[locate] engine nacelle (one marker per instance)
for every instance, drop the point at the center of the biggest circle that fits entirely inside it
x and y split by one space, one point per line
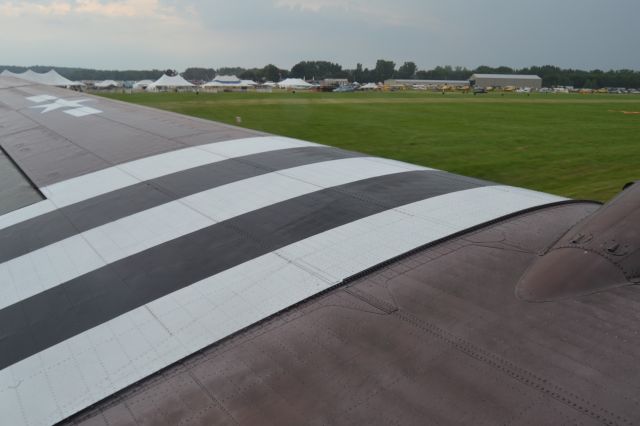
599 253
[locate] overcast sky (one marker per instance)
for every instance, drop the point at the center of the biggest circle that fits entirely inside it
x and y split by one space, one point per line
143 34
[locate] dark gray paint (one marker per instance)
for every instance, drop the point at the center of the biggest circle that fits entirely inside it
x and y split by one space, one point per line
46 157
435 338
54 226
15 189
55 315
599 253
53 146
12 122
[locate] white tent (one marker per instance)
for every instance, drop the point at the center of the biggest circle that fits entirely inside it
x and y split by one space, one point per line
7 73
106 84
270 84
51 78
294 83
169 82
142 84
214 84
231 81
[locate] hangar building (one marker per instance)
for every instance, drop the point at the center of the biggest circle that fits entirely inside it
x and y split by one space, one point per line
504 80
412 82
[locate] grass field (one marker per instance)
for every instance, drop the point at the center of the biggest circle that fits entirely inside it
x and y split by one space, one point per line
580 146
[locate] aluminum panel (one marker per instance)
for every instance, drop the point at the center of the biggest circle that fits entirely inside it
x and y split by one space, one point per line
84 215
26 213
58 313
117 177
37 271
16 191
357 246
195 316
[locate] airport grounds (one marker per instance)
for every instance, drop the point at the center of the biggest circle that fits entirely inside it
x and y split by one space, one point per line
583 146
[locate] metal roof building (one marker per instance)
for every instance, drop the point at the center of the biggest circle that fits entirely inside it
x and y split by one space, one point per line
414 82
504 80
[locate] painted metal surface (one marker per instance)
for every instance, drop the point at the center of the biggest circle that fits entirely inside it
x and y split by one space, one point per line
434 338
598 253
15 189
56 146
163 234
116 352
115 240
95 211
170 257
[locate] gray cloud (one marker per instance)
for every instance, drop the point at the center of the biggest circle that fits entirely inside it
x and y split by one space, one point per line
171 33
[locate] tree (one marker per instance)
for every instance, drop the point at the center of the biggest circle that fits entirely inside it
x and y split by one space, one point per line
551 75
199 74
483 69
171 73
407 70
384 70
358 74
272 73
318 70
231 71
299 70
251 74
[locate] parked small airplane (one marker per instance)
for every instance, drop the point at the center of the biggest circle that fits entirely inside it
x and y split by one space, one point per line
345 88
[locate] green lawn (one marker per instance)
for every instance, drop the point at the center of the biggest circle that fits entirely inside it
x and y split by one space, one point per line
580 146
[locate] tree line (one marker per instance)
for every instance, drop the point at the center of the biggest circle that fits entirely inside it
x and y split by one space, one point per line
79 74
383 70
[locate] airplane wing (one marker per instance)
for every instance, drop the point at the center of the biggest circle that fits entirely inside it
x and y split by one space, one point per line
162 269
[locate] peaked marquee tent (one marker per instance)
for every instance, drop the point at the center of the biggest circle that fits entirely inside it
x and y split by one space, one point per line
294 83
169 82
223 81
231 81
51 78
7 73
142 84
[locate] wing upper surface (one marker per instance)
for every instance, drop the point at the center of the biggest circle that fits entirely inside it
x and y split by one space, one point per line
161 234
